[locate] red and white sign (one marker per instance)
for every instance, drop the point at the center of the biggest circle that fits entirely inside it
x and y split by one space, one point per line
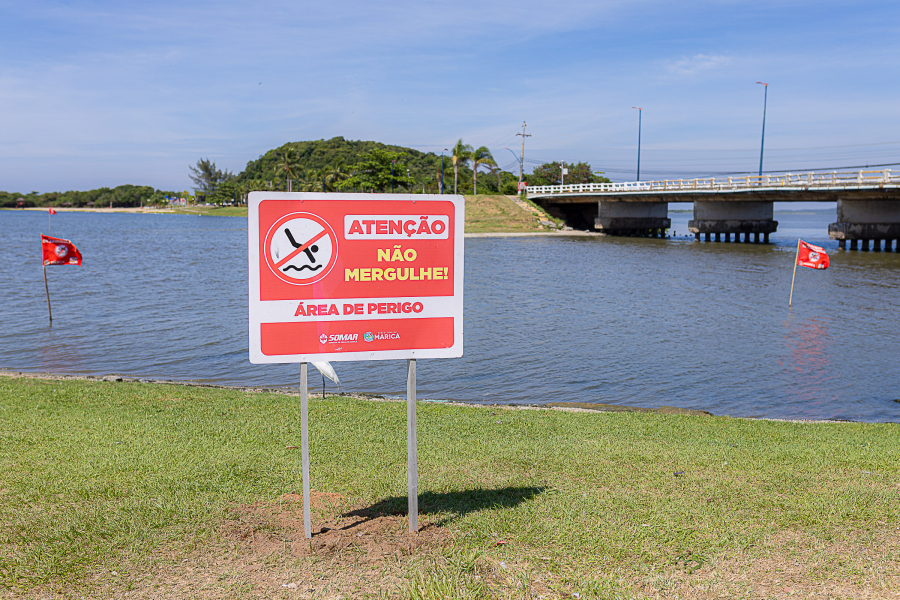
522 185
57 251
355 276
812 256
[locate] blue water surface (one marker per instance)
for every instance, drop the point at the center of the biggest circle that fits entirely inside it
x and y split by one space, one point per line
643 322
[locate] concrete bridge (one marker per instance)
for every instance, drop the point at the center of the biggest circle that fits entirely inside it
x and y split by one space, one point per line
868 205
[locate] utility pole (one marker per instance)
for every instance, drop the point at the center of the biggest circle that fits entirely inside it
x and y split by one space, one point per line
522 156
763 143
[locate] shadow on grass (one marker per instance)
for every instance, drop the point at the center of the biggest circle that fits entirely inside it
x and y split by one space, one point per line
456 503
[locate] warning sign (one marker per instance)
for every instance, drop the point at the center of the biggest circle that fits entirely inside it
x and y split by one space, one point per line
355 276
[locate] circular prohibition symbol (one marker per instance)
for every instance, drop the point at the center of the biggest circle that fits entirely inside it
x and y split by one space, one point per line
301 248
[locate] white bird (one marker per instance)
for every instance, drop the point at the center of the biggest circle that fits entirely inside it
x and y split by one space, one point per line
327 370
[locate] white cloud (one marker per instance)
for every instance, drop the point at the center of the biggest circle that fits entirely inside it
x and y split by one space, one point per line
698 64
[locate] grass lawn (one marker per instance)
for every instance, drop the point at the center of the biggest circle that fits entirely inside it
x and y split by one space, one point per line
210 211
166 491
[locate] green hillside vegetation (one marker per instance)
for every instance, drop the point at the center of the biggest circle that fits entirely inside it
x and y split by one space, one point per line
323 166
316 158
123 196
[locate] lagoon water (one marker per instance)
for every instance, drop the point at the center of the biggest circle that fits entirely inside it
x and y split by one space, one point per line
642 322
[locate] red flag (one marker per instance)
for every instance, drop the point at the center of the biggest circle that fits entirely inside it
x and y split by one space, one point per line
52 210
811 256
59 252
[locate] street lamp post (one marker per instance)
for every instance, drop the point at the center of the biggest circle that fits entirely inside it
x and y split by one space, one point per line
763 143
517 160
442 170
640 111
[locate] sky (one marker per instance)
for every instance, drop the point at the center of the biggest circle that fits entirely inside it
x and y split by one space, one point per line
105 93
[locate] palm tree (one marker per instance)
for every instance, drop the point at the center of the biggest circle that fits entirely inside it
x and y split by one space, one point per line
461 154
335 173
481 155
287 165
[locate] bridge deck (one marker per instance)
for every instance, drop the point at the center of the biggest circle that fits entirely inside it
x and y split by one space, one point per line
788 187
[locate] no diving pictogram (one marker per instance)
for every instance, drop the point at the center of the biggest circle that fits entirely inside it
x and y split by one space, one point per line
301 248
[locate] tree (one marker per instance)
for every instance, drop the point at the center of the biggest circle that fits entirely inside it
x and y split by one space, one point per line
495 170
315 181
207 176
376 172
334 175
287 166
226 193
461 153
479 156
551 174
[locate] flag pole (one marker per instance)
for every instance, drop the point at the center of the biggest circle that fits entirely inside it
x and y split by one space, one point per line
796 258
47 289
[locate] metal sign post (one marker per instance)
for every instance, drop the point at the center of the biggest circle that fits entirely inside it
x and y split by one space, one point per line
412 473
304 443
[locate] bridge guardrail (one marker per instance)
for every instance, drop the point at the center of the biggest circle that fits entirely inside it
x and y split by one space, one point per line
786 180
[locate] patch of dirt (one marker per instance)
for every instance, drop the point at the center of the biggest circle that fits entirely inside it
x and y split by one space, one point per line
262 553
264 528
790 565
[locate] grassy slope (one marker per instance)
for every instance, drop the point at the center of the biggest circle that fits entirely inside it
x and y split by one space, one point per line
483 214
497 213
93 474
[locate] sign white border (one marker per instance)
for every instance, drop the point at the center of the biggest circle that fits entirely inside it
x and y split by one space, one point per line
452 305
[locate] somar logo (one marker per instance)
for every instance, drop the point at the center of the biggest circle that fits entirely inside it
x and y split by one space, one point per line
339 338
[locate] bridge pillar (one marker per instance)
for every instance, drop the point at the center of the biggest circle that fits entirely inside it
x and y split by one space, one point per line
641 219
866 220
733 217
